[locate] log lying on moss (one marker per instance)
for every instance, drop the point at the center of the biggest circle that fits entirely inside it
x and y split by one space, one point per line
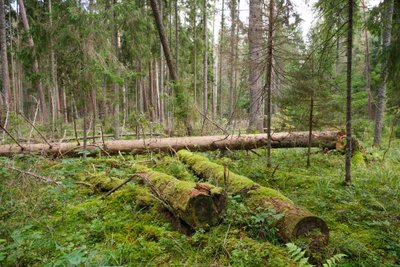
200 205
296 222
325 139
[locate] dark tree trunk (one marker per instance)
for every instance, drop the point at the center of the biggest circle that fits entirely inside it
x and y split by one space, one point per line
205 59
268 85
348 91
4 59
310 129
164 41
221 60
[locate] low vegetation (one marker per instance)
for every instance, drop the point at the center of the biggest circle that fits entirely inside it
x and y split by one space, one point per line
47 225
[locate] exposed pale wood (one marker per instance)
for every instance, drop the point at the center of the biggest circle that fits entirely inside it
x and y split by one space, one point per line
325 139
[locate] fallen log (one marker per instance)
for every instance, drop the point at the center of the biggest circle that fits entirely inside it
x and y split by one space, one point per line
296 222
324 139
90 137
200 205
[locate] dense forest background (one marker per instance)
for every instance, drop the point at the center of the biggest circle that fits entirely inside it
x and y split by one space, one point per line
100 65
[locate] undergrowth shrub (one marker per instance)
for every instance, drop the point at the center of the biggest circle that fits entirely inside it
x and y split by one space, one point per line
257 224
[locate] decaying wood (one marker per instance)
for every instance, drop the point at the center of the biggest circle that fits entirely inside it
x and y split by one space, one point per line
296 222
200 205
324 139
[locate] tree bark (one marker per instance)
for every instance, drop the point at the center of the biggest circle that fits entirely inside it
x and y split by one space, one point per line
325 139
56 108
195 52
221 38
381 95
233 4
296 221
255 54
214 81
268 85
162 100
205 60
310 128
35 64
348 91
8 99
176 36
164 42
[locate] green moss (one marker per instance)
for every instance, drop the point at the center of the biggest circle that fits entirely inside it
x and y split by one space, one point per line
46 225
235 182
358 159
175 168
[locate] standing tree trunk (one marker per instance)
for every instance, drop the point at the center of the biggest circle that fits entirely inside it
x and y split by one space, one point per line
220 58
195 52
205 63
35 65
255 53
214 81
56 98
162 100
268 85
310 128
177 36
367 63
232 58
115 84
381 96
348 91
164 42
4 60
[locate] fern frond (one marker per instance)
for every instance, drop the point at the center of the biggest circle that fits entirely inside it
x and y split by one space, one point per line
297 255
334 260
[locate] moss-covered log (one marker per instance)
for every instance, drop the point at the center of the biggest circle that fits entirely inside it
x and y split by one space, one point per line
325 139
296 222
200 205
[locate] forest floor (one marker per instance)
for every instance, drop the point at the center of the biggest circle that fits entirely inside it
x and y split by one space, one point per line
46 225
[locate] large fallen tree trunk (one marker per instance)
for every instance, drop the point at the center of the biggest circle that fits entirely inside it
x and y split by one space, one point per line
325 139
200 205
296 222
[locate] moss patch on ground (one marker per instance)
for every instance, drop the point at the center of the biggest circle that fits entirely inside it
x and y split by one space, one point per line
44 225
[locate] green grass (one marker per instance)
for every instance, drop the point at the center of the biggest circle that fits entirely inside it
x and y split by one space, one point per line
44 225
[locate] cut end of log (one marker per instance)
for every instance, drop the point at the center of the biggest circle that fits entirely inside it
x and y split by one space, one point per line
206 209
200 205
314 226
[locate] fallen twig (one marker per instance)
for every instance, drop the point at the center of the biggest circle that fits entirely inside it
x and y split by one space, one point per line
39 177
119 186
12 137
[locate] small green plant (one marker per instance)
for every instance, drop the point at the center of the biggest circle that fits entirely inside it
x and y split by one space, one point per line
258 224
297 255
334 260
